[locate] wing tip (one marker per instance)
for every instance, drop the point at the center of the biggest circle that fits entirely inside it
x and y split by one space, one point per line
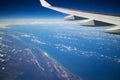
44 3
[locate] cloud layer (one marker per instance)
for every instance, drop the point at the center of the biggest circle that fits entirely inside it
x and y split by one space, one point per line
8 22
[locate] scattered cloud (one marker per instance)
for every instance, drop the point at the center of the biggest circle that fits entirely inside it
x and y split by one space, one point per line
65 48
1 55
26 35
15 37
38 41
99 56
88 54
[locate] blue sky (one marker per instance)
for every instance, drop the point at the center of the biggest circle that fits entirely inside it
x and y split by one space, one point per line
33 9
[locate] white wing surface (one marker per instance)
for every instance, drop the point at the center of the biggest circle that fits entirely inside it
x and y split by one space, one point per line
90 16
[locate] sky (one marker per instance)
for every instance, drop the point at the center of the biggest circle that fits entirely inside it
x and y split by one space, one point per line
33 9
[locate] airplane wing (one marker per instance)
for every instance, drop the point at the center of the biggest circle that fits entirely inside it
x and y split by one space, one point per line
91 17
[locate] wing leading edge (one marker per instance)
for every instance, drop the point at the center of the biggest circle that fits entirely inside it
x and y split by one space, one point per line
91 16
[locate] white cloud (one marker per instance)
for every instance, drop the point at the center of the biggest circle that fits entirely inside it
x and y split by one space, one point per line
3 68
15 36
1 55
26 35
45 54
2 60
63 47
38 41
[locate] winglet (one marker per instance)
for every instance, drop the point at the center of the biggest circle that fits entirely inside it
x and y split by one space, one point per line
44 3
